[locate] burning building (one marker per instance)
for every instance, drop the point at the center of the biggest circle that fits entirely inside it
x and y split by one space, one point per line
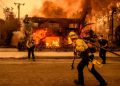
52 32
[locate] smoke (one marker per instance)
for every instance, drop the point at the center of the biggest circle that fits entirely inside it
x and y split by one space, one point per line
71 6
85 8
66 8
18 36
50 9
59 8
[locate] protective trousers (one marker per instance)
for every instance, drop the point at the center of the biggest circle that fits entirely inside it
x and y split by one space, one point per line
31 49
80 68
102 54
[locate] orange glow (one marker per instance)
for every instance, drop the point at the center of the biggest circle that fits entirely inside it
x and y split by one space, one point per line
39 34
80 26
52 41
82 33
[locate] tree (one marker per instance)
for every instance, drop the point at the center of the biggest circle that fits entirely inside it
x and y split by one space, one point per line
11 24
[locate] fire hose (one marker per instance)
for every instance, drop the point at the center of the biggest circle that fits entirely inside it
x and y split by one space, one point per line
72 67
103 48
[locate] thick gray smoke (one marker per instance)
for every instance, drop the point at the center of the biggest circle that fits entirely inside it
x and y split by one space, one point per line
68 8
50 9
60 8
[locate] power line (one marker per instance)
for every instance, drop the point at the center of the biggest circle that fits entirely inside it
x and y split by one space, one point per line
3 3
19 9
1 6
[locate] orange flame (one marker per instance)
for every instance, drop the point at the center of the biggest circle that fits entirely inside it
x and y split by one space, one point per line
52 41
39 34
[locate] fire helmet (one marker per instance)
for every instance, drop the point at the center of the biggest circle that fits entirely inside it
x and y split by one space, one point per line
73 35
80 45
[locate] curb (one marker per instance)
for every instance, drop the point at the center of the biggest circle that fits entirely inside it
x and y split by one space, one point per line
48 55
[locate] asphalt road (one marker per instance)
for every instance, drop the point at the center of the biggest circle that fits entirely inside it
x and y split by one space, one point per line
54 72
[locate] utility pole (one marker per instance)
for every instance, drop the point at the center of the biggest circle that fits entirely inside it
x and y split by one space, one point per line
19 9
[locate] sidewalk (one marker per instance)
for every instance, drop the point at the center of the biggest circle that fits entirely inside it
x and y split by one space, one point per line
64 55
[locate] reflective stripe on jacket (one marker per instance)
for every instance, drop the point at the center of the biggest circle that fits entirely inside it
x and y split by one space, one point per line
80 45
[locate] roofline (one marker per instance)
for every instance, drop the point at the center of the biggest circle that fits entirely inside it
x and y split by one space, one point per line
70 20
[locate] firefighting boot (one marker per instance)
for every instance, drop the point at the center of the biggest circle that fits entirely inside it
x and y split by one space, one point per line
103 84
79 82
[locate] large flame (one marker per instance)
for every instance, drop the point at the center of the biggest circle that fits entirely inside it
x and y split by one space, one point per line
52 41
38 35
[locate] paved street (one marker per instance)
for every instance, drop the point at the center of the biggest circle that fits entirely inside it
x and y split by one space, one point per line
54 72
14 53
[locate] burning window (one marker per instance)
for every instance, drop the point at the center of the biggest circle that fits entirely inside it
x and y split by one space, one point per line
39 34
52 42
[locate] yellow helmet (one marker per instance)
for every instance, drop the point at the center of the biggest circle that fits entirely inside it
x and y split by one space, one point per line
73 35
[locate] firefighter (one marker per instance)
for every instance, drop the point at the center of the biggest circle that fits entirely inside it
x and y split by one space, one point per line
83 50
104 44
30 47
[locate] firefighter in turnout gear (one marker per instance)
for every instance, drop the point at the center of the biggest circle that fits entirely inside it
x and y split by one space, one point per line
30 47
83 50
